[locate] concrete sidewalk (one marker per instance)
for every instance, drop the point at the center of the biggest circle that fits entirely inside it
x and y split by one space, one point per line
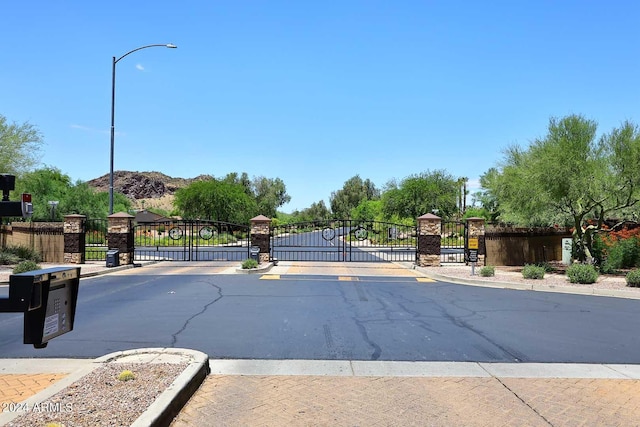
348 393
342 393
318 393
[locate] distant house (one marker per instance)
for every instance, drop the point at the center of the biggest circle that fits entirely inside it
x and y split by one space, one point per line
145 217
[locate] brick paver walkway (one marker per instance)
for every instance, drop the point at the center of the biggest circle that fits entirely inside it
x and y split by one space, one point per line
406 401
15 388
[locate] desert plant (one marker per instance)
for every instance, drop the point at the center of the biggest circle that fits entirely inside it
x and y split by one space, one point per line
633 278
582 273
126 375
607 268
249 263
531 271
488 271
8 258
24 253
624 254
24 266
548 268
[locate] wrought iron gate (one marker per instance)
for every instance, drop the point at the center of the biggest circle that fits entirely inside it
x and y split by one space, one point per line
344 240
191 241
95 239
453 242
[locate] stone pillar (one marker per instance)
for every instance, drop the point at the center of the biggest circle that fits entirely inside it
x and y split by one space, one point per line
475 229
261 236
120 236
74 239
429 239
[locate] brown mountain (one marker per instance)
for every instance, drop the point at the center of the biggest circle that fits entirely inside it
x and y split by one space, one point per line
145 189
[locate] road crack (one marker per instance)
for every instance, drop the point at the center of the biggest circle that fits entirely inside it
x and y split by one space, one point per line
174 337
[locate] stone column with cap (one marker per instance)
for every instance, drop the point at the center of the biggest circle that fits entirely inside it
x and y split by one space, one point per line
475 230
74 239
429 241
261 236
120 236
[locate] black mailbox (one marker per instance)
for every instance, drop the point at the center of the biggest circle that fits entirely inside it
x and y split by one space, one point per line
48 299
254 252
113 258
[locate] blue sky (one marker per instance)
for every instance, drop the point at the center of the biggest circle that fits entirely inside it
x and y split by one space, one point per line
312 92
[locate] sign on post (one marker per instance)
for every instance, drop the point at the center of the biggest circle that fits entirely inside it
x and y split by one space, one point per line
472 245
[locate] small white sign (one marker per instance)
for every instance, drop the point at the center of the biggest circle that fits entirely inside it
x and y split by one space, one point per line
50 325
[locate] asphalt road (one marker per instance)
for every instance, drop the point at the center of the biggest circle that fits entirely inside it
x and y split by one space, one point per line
322 317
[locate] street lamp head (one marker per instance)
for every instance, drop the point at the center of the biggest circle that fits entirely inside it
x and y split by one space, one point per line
171 46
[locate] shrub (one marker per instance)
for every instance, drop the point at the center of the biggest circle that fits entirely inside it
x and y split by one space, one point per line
24 253
8 258
249 263
624 254
531 271
24 266
607 268
633 278
582 273
488 271
548 268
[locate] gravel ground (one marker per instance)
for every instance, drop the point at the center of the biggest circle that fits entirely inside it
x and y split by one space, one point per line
514 275
100 399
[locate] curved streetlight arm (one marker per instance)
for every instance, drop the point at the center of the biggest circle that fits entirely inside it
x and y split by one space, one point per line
113 111
169 45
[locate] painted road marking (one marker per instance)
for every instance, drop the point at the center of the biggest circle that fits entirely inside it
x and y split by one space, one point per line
270 277
424 279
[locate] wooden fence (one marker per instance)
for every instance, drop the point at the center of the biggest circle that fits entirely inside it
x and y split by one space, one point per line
520 246
47 238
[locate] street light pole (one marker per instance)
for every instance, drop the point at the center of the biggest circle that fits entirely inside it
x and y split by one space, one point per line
113 111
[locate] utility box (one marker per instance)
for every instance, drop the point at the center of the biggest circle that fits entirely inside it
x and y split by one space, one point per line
48 298
254 253
113 258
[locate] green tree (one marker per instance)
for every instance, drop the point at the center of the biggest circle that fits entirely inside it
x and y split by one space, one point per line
85 200
215 199
367 210
50 184
353 192
20 146
570 176
486 198
269 194
416 195
45 185
242 179
316 211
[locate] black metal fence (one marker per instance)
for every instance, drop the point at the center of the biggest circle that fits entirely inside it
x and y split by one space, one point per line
96 239
344 240
452 244
195 240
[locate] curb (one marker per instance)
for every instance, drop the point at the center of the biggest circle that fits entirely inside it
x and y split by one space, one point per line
612 293
262 268
165 407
